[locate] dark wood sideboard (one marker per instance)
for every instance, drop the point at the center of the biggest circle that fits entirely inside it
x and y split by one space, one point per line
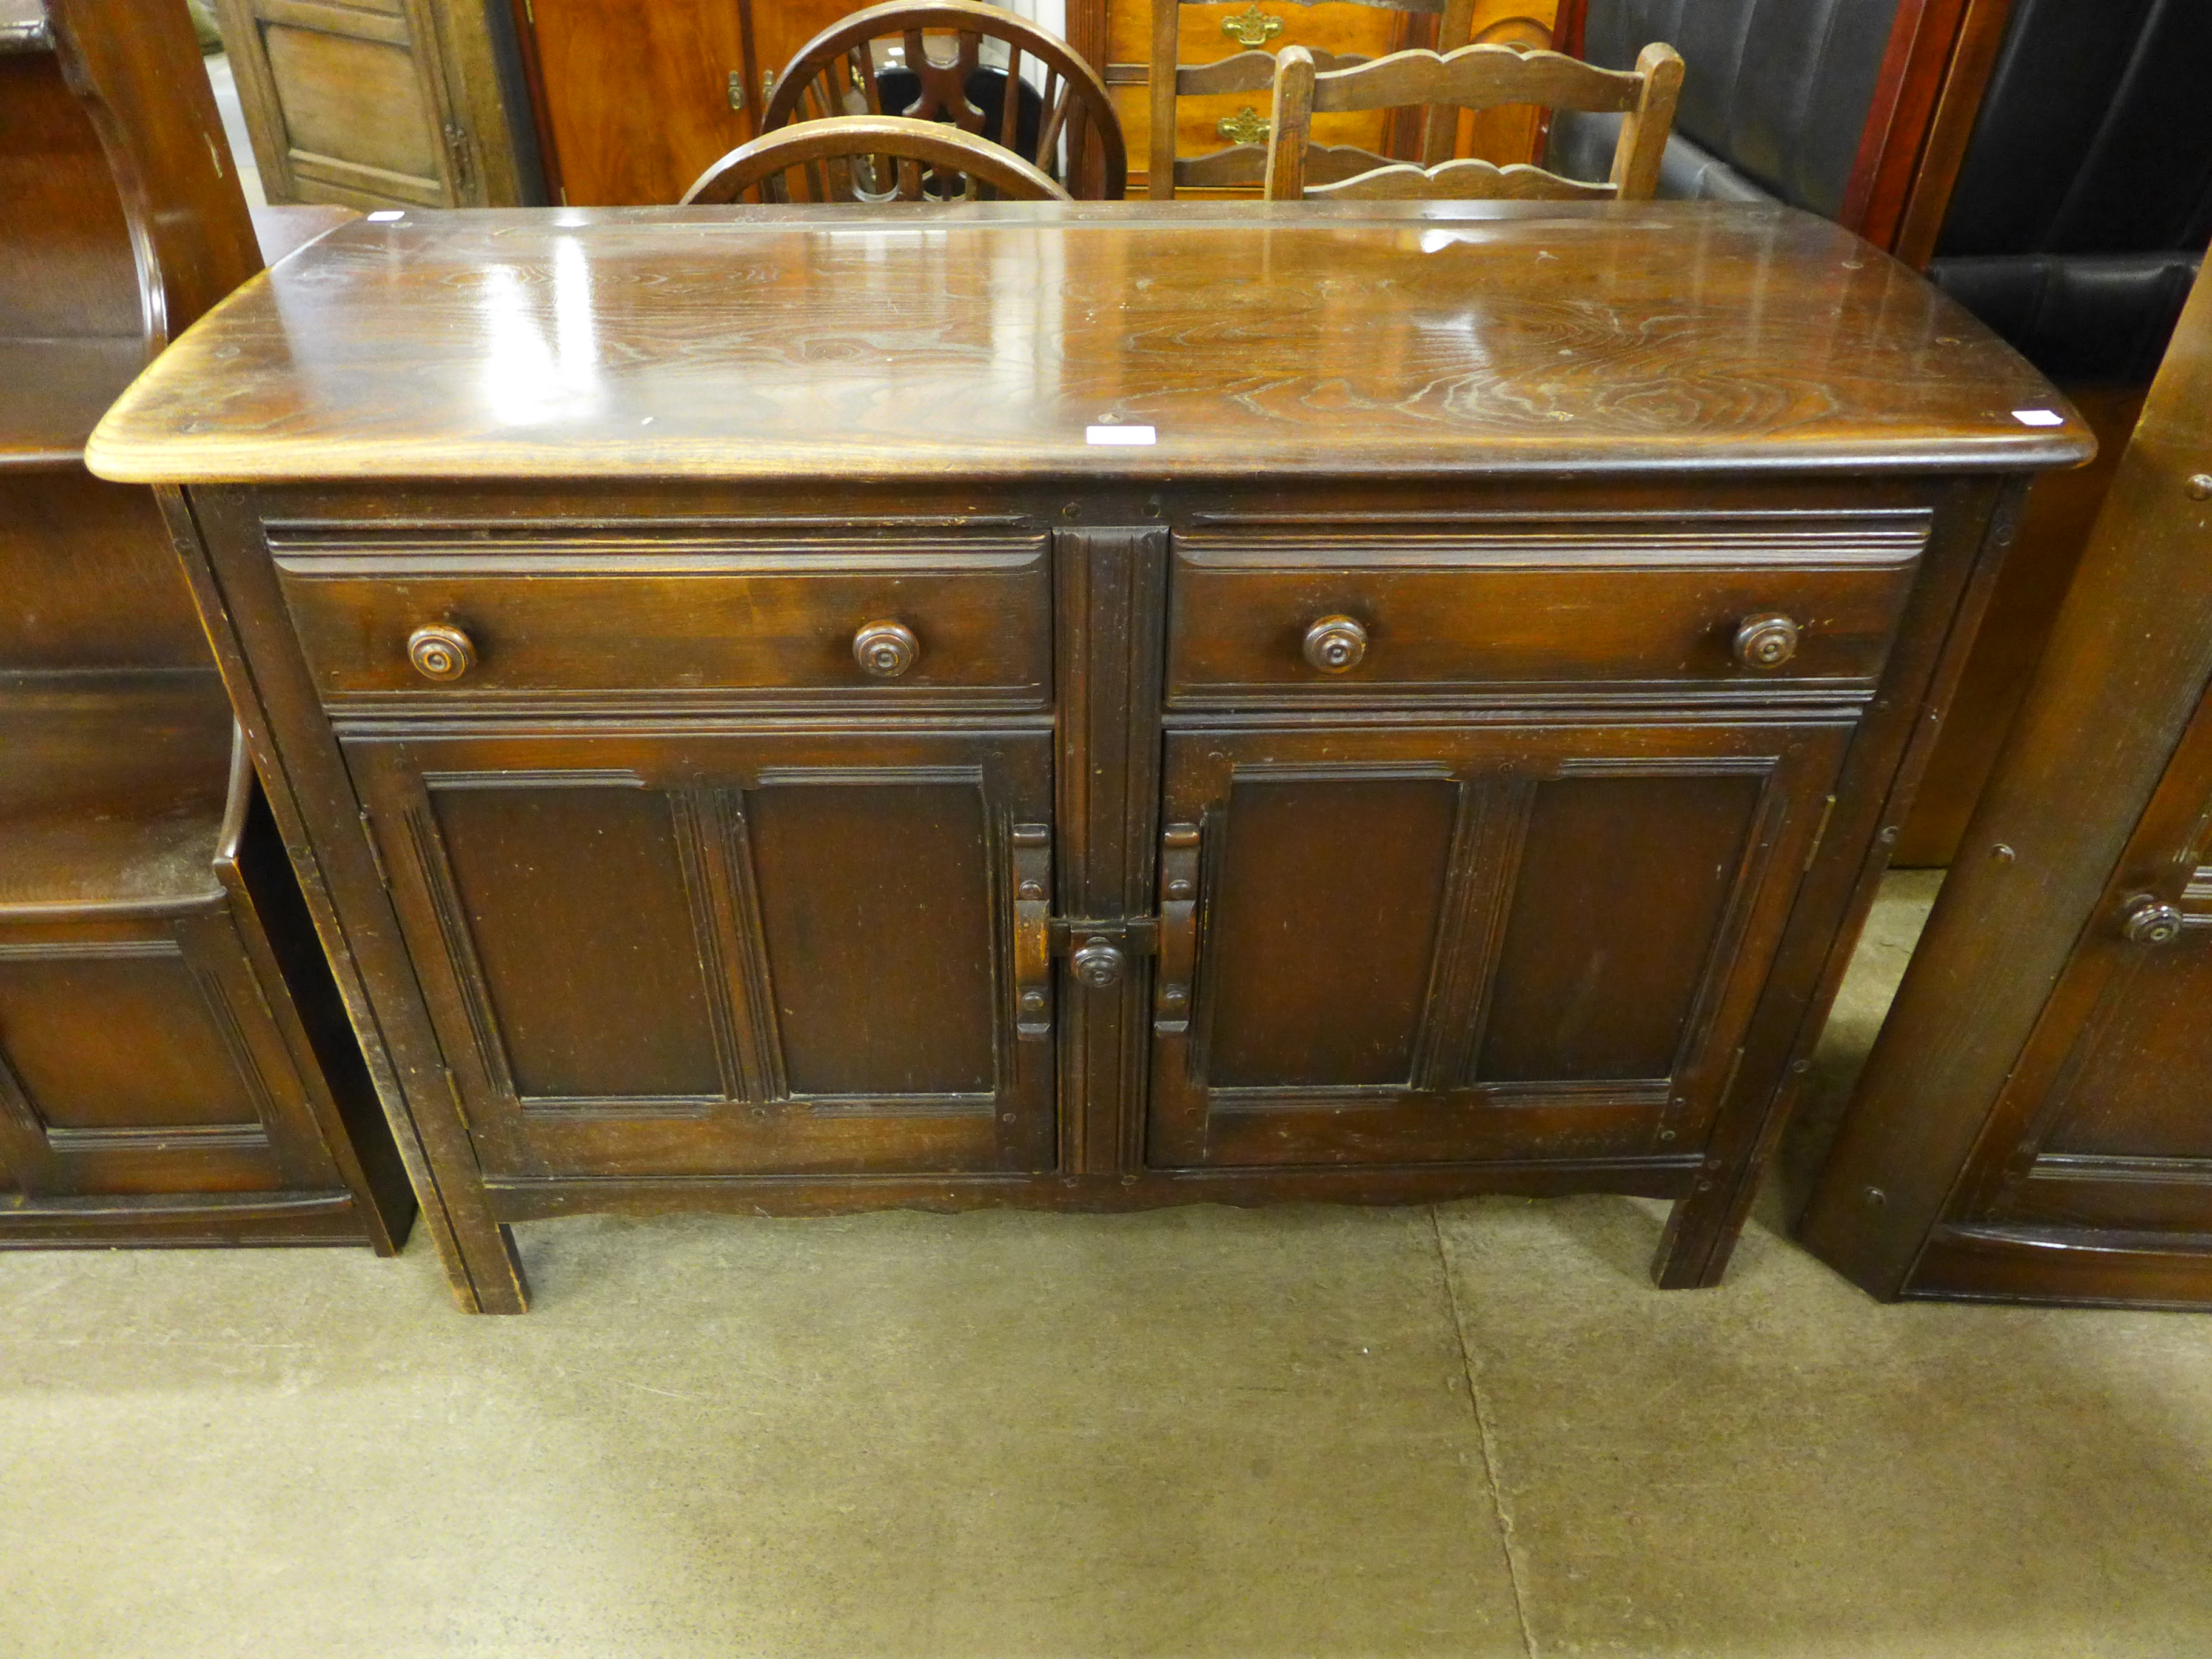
758 733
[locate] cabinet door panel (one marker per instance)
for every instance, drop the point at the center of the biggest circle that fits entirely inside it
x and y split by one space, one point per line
138 1055
1462 944
721 955
575 902
877 907
1327 989
1623 885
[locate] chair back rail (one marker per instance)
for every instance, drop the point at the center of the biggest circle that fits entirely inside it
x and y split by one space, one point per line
871 158
1472 77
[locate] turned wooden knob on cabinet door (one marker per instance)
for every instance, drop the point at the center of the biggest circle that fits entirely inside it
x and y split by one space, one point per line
1097 964
2151 921
1766 641
885 649
1334 644
441 652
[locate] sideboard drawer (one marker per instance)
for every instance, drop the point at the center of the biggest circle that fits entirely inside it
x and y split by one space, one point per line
1296 609
873 623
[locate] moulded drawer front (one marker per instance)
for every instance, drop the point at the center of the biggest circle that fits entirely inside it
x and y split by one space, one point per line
974 621
1540 603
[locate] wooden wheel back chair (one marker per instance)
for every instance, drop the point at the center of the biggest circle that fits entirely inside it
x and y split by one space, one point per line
1473 77
872 158
1066 128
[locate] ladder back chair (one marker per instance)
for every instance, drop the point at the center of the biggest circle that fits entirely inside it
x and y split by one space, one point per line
1242 164
872 158
1473 77
1066 128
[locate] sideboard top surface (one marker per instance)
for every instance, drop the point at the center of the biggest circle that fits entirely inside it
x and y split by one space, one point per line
988 341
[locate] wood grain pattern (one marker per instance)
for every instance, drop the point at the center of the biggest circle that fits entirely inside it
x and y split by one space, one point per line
1485 339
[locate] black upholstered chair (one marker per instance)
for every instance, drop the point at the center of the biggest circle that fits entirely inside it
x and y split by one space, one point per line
2085 201
1773 104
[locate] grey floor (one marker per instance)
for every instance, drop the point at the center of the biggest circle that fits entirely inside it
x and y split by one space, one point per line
1471 1429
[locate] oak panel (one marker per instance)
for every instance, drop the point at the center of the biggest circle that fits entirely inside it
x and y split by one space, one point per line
352 100
637 97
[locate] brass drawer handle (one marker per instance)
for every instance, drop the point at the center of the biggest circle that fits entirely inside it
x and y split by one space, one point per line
885 650
1247 126
439 653
1335 644
1766 641
1252 26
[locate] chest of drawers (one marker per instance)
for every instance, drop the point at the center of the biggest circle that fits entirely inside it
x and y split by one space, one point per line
759 733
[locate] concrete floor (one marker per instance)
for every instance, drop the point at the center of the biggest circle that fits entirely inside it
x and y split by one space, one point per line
1300 1432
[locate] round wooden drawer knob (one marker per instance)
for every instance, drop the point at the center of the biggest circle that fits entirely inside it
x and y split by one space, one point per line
439 653
1766 641
2147 921
1334 644
885 650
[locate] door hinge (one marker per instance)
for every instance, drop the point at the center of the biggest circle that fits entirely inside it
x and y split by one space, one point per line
376 851
736 89
457 150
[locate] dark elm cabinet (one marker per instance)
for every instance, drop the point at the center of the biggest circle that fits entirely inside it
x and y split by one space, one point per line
759 733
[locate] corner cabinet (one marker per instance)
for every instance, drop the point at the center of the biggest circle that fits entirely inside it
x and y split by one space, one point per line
949 812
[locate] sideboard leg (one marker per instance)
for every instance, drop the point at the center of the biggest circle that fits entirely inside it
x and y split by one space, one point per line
485 1272
1700 1236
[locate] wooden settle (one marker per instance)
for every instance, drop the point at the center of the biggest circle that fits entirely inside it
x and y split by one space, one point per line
175 1068
1089 704
2030 1125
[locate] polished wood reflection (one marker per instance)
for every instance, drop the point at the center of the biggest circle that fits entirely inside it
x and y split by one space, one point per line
1481 338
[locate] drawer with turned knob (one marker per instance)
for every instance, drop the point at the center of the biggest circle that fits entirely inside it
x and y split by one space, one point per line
967 620
1734 605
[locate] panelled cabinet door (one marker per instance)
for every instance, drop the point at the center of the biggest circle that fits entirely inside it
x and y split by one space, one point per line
1416 945
2106 1119
139 1056
351 104
712 955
